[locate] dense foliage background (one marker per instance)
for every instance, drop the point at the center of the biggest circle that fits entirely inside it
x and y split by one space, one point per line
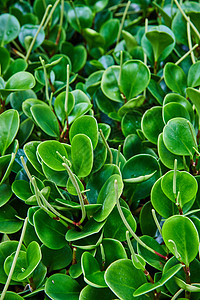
99 149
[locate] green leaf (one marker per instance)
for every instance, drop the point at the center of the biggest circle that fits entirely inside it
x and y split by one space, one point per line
85 125
186 185
4 59
107 197
9 124
9 28
84 15
131 121
175 78
62 287
123 278
115 228
30 150
140 75
8 221
91 227
5 193
161 203
96 5
148 287
152 123
27 33
109 30
166 157
59 106
47 151
161 38
194 96
178 137
91 270
46 120
82 155
173 110
109 83
179 233
193 78
50 232
20 81
12 296
91 293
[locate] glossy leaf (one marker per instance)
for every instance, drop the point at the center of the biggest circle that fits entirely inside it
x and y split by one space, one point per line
20 81
82 155
178 137
61 286
107 197
179 233
10 28
46 120
47 151
8 221
175 78
9 124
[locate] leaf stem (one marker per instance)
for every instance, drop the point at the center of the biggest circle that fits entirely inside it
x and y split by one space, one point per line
75 184
106 144
51 13
14 260
156 221
177 294
36 35
187 19
45 78
190 41
174 177
77 19
122 22
67 92
129 228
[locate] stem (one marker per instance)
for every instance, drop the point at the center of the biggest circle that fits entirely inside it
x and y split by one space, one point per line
193 136
187 19
103 256
122 22
145 55
26 169
14 260
67 93
121 63
36 35
156 221
77 19
174 177
50 14
75 183
118 154
106 144
45 78
61 22
128 226
190 42
177 294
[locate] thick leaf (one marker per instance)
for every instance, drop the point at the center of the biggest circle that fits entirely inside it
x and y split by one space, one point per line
91 293
27 33
47 151
193 79
123 278
194 96
109 30
5 193
91 227
59 105
167 157
62 287
91 270
109 83
9 124
175 78
20 81
82 155
161 38
179 233
178 137
96 5
148 287
8 221
186 186
50 232
152 123
107 197
30 151
46 120
140 77
174 110
9 28
85 125
84 15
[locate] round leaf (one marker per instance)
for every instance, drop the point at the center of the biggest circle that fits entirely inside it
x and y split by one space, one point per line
175 78
179 233
20 81
9 28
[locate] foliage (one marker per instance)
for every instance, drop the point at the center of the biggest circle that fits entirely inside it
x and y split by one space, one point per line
99 149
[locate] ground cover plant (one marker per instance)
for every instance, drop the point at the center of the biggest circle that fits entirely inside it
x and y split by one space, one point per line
99 149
